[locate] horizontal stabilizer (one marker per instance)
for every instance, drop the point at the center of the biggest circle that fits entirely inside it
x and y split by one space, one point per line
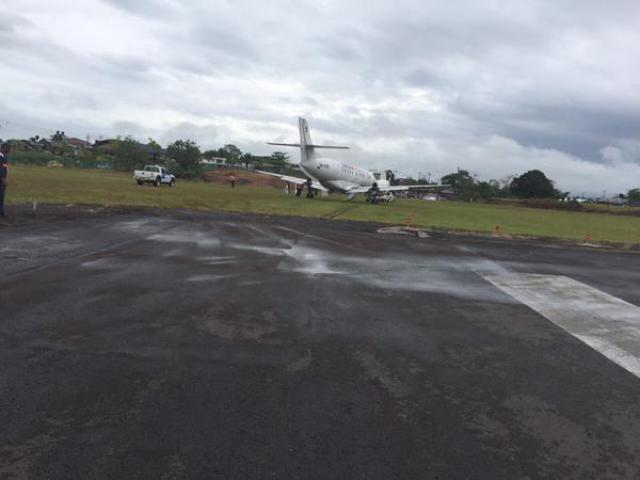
284 144
328 146
307 146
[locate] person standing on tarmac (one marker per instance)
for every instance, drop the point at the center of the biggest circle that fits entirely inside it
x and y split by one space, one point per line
4 151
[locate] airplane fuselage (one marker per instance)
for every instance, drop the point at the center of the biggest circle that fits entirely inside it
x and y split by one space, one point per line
327 173
338 176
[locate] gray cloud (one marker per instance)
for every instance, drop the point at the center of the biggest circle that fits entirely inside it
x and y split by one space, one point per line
418 85
146 8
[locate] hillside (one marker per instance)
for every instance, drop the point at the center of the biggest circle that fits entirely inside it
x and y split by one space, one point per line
244 178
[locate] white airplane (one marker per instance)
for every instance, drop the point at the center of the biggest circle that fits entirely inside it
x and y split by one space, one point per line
327 174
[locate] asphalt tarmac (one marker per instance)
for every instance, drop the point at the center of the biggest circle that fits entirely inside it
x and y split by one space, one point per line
179 345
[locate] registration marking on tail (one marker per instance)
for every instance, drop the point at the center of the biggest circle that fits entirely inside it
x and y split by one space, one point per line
606 323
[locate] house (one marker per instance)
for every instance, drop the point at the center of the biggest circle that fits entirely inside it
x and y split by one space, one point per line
214 161
77 142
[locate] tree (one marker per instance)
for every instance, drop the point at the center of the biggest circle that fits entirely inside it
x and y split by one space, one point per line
232 153
186 154
407 181
247 159
155 150
490 189
210 154
468 187
533 184
462 183
129 155
459 180
58 136
634 195
279 159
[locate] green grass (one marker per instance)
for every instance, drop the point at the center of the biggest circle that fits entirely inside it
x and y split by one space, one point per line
62 185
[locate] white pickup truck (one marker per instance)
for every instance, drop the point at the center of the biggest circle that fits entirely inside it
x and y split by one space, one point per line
154 174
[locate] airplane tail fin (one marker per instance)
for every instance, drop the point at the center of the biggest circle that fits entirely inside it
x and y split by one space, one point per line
306 145
305 137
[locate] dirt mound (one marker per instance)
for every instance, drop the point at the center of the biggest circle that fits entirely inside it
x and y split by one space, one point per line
243 178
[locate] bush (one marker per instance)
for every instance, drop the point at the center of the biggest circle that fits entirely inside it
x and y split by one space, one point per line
22 157
550 204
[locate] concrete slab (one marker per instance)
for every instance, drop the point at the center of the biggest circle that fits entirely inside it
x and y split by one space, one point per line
605 323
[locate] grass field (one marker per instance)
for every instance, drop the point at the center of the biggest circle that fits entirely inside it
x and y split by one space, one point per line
58 185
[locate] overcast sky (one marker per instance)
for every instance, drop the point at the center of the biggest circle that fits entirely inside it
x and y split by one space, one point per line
495 87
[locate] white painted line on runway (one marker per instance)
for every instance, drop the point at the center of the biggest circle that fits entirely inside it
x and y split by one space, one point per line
604 322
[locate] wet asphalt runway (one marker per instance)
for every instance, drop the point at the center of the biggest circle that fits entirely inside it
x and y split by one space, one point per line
170 346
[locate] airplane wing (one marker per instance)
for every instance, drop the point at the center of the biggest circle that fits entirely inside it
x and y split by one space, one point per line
296 180
397 188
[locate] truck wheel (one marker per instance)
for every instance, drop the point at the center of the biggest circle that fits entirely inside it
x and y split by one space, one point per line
139 183
158 182
173 183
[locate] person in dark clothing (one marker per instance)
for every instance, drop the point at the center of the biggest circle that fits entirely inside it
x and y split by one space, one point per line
299 189
309 188
372 193
4 170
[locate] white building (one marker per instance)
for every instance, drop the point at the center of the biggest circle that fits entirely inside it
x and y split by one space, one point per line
218 161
